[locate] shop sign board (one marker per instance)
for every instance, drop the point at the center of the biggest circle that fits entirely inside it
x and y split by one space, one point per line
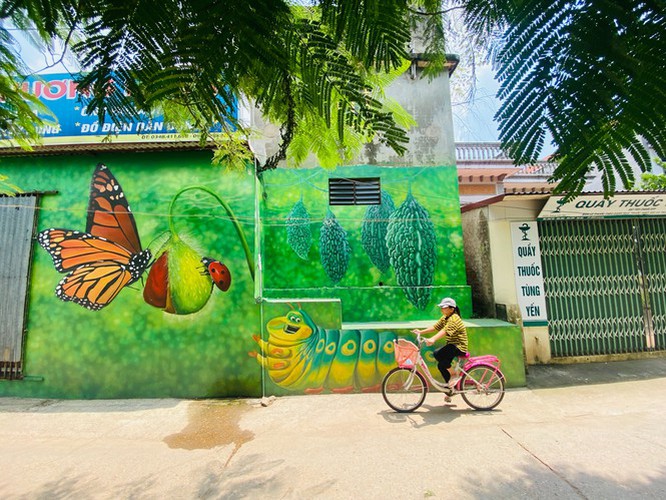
596 206
528 273
71 124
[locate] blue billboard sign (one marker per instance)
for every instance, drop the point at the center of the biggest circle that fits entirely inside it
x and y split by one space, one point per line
73 125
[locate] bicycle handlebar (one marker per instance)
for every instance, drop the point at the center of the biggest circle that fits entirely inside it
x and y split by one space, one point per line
419 338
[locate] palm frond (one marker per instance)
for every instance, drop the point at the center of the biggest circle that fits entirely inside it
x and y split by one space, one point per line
591 74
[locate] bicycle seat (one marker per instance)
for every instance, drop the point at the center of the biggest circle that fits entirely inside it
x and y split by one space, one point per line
464 356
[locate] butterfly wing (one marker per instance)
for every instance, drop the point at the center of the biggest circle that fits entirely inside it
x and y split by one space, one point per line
94 285
71 249
109 214
99 268
105 258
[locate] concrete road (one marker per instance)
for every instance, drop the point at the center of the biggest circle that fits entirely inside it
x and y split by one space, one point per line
592 441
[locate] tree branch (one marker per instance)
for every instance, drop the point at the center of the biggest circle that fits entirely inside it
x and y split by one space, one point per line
286 133
437 13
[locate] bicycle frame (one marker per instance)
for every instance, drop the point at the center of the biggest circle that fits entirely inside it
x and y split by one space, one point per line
469 363
481 382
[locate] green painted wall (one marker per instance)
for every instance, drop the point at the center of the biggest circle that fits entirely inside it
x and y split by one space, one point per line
504 340
196 343
295 265
130 348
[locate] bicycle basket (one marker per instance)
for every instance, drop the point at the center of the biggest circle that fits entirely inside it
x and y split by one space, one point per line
406 353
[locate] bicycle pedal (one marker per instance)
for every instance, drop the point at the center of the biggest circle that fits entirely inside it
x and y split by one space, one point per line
447 399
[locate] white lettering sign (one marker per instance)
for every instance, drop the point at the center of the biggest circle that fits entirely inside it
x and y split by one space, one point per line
528 272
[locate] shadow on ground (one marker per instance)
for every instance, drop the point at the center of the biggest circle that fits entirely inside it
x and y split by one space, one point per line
560 375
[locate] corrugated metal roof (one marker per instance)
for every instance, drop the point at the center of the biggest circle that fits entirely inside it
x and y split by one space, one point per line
485 175
17 220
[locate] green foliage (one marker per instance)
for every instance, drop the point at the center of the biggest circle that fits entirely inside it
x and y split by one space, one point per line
299 232
412 249
19 111
334 248
587 73
652 182
292 61
231 151
373 232
8 189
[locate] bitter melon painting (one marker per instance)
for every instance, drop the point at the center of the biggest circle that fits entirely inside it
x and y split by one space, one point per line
388 260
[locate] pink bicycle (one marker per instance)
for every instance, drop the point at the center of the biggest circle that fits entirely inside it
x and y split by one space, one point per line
480 383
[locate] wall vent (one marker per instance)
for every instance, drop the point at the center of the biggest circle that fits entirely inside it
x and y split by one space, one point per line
356 191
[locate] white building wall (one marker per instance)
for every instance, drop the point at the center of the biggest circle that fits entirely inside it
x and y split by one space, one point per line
501 215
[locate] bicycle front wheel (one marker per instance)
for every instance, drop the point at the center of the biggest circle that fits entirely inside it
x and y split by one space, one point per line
483 387
404 390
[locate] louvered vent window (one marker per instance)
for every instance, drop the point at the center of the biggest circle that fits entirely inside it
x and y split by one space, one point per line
358 191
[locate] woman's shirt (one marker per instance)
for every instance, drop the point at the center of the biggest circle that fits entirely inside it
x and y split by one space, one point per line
456 333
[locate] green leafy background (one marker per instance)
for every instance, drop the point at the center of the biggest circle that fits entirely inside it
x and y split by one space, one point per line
130 349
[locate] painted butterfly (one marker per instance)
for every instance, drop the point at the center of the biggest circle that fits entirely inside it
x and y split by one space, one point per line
106 257
218 272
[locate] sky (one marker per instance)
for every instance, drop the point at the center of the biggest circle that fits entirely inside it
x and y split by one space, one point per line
474 121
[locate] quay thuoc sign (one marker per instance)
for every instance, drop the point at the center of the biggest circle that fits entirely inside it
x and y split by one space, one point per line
74 126
528 273
596 206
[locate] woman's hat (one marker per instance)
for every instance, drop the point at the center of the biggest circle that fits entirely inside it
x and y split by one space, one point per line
447 302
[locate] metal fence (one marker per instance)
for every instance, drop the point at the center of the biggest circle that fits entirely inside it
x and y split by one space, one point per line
17 221
605 285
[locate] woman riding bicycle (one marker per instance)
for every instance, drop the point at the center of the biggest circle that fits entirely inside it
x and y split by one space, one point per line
451 326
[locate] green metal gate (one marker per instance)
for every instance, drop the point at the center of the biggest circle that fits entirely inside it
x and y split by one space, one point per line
605 285
652 247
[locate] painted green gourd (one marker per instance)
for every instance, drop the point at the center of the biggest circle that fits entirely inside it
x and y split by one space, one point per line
373 232
299 233
412 247
334 248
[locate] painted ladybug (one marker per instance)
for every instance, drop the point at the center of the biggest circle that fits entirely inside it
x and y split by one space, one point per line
218 272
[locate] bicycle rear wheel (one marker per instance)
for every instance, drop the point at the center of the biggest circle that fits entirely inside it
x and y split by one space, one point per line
404 390
483 387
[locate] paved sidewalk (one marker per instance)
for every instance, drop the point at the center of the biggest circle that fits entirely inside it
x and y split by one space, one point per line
591 441
559 375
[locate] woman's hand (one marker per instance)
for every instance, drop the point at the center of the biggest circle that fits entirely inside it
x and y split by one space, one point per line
429 341
416 331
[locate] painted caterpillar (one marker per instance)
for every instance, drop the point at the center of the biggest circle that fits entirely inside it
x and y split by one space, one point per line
299 356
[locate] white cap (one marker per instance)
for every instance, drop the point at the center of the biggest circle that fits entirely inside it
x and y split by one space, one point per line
447 302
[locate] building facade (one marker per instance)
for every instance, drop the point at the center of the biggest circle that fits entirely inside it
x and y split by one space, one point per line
142 270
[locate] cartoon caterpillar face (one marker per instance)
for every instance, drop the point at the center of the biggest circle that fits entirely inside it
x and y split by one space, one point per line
300 356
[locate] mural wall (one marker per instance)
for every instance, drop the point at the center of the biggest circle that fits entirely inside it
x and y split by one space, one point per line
156 300
386 262
143 281
304 350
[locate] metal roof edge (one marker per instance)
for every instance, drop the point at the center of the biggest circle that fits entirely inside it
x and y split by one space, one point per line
483 203
92 148
27 193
